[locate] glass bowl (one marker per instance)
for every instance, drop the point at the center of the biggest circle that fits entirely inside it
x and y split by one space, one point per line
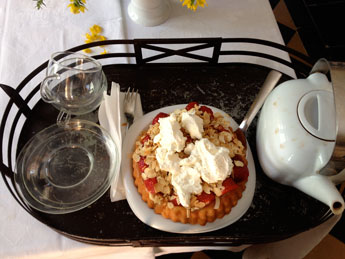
65 168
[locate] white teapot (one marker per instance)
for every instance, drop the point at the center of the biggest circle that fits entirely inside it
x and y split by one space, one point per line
300 134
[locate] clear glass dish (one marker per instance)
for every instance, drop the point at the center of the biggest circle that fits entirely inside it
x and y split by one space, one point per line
65 168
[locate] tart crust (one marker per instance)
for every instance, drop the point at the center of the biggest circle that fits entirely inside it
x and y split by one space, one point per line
179 213
162 204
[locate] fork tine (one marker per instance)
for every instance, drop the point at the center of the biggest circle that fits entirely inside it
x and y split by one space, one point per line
127 94
133 93
129 105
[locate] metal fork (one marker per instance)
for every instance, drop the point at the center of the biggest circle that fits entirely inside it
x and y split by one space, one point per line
129 103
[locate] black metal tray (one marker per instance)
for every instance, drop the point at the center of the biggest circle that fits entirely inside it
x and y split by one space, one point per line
277 211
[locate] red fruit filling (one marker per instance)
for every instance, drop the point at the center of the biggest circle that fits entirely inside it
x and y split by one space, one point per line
143 140
206 198
191 105
229 185
142 165
158 116
208 110
150 184
240 173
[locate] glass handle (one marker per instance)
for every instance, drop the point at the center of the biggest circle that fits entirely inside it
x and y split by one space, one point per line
63 118
45 93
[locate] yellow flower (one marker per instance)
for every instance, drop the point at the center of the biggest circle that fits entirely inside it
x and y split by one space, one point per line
104 52
193 4
77 6
95 29
95 36
91 38
87 50
101 37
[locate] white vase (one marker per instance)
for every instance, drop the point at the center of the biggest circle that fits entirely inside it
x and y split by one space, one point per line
149 12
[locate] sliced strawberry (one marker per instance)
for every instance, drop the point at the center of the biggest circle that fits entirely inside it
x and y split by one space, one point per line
229 185
150 184
158 116
146 138
241 137
208 110
221 128
206 198
191 105
174 201
240 173
142 165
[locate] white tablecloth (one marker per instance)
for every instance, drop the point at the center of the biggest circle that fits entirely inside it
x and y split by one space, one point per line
27 39
222 18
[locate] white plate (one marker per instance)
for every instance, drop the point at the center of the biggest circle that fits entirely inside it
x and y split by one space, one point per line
147 215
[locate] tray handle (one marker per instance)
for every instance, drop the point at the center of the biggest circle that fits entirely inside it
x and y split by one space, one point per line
23 108
17 99
7 171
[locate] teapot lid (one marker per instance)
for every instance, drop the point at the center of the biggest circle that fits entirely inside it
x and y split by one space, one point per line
316 113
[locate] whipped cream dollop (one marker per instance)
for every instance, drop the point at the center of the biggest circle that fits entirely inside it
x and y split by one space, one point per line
213 163
186 181
192 123
206 161
168 160
170 135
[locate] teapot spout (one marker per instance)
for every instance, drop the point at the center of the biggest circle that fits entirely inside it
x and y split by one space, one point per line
321 188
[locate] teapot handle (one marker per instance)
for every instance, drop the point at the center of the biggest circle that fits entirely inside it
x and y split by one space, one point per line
336 71
338 178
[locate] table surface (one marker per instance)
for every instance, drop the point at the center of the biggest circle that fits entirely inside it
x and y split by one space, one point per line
29 40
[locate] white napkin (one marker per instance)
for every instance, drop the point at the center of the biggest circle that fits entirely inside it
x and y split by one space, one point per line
112 118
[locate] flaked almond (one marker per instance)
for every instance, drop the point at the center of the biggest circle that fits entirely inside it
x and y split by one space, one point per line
161 180
228 136
206 188
144 176
155 198
222 137
146 151
217 203
217 191
166 190
217 115
206 119
200 204
159 187
193 200
170 205
239 163
150 173
136 157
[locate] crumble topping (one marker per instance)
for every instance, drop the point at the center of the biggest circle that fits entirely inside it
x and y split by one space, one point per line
188 158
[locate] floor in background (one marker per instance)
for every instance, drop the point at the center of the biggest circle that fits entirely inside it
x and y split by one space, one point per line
287 26
312 26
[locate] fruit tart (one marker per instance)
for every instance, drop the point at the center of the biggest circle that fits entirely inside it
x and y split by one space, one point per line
190 166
